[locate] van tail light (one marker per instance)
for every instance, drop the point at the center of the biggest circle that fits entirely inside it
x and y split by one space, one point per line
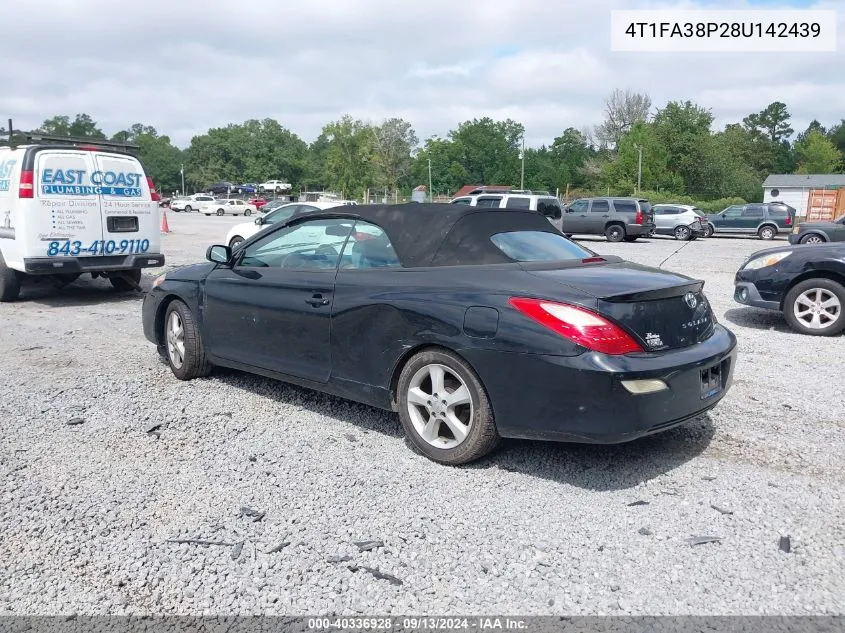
579 325
26 189
154 195
639 219
788 220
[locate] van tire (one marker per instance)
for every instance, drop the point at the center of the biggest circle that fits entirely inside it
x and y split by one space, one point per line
10 283
195 363
122 285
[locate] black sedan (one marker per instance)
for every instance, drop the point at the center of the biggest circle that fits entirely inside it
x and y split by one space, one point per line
473 324
819 232
806 283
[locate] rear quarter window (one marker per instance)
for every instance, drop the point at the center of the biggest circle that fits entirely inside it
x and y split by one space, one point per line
778 212
538 246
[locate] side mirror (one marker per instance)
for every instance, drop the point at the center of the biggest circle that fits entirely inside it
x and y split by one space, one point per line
219 254
259 220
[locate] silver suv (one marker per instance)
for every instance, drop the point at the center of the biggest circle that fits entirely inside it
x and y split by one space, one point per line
683 221
545 204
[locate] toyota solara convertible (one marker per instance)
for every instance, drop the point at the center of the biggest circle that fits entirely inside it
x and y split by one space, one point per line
472 323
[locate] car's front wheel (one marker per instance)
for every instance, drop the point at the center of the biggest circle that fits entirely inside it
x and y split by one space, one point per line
682 233
220 212
247 212
235 241
182 343
813 238
814 307
444 408
709 230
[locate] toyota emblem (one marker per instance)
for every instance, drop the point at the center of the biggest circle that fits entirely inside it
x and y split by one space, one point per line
692 302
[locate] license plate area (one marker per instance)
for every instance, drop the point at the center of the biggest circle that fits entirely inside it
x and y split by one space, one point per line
122 224
712 380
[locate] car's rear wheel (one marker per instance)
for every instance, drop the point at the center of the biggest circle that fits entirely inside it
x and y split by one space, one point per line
767 232
682 233
123 281
188 208
815 306
10 283
220 212
615 233
444 408
235 241
247 212
182 343
709 230
813 238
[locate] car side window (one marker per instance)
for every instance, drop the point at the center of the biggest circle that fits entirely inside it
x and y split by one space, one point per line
733 212
753 211
579 206
627 206
462 201
490 202
518 202
368 247
313 245
600 206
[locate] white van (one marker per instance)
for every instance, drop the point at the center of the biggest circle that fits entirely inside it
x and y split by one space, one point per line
69 207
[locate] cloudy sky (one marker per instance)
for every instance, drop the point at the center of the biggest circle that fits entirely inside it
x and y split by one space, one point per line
186 65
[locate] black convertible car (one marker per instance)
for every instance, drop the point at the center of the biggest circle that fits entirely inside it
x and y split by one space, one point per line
472 323
806 283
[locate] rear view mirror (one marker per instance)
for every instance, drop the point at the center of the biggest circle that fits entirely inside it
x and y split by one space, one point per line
218 254
338 230
259 220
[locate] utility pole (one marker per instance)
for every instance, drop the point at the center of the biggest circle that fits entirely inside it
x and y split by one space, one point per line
182 171
430 187
639 168
522 156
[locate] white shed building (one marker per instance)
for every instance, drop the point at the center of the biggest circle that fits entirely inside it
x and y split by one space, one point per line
796 189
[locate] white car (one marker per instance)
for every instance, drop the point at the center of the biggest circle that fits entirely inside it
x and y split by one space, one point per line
682 221
276 186
241 232
190 203
228 207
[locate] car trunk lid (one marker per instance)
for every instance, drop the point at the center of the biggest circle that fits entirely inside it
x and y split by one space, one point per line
662 310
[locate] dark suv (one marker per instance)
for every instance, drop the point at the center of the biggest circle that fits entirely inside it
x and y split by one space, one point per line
765 220
616 218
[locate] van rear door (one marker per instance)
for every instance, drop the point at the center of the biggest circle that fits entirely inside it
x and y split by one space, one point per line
65 219
130 217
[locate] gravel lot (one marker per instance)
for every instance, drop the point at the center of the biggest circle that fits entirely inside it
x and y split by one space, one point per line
87 509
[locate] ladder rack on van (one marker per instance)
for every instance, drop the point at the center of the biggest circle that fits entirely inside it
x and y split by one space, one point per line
36 138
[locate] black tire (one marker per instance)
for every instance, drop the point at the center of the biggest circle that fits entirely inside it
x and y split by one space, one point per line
767 232
235 241
195 363
247 213
813 238
709 230
835 327
631 238
482 436
615 233
10 283
683 233
122 285
188 208
220 212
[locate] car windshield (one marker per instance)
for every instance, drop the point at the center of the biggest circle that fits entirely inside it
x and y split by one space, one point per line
538 246
279 215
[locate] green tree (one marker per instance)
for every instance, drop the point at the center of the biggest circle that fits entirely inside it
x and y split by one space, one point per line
683 130
82 126
489 150
772 122
816 154
621 172
394 140
569 152
447 173
622 110
837 137
349 160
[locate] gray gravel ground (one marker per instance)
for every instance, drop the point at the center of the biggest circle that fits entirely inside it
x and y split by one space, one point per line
88 510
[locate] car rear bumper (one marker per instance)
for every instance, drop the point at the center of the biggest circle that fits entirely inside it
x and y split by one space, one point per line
63 265
582 398
639 230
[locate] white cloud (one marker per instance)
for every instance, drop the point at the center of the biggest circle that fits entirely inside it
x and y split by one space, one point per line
190 65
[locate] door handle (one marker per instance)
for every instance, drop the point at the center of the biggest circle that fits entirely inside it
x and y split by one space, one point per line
317 301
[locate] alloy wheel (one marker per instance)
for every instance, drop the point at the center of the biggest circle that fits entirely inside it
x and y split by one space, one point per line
440 406
813 239
817 308
175 334
682 233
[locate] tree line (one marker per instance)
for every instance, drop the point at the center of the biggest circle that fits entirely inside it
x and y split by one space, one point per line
670 152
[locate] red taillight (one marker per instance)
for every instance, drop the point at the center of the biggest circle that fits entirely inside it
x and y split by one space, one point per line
639 218
582 326
153 193
592 260
788 220
90 148
26 189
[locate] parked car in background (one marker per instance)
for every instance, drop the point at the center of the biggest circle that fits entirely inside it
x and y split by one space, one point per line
272 205
806 283
765 220
258 203
617 219
190 203
545 204
274 186
228 206
221 187
281 213
683 221
247 187
819 232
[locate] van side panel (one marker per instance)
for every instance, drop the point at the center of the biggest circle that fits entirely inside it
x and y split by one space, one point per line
11 217
131 220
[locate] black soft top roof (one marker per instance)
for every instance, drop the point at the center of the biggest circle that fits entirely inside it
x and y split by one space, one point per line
437 234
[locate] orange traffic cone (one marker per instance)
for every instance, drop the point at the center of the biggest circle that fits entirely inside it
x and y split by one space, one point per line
165 227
